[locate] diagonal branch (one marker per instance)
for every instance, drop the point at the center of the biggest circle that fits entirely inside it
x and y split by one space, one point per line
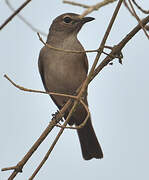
83 123
76 4
117 49
90 8
132 13
138 19
24 20
55 141
14 14
140 8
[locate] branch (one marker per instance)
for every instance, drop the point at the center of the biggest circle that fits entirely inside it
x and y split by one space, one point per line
83 123
37 91
117 49
139 7
19 166
70 51
128 8
64 50
90 8
138 19
55 141
132 13
76 4
56 94
24 20
14 14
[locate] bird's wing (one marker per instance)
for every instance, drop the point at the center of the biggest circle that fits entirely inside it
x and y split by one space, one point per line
86 63
41 71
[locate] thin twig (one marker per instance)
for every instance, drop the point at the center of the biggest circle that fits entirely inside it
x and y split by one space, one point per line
138 19
19 166
82 124
90 8
14 14
55 141
96 7
76 4
70 51
128 8
38 91
140 8
131 12
9 168
64 50
56 94
116 49
24 20
39 141
106 36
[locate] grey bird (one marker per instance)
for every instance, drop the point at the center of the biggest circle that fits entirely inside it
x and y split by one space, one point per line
64 72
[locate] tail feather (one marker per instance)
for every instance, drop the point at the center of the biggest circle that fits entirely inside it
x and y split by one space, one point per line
89 144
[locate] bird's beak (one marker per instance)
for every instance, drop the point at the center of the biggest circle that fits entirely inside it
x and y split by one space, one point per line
87 19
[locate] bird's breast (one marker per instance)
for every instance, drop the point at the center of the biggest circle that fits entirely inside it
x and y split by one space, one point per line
64 72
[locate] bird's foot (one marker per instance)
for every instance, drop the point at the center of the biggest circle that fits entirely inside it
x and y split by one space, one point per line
54 116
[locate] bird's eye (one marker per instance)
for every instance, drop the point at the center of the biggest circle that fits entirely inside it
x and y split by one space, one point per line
67 19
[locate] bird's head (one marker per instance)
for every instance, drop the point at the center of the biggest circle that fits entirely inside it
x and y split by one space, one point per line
69 23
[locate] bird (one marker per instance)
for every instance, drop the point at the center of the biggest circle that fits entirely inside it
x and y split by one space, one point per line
64 72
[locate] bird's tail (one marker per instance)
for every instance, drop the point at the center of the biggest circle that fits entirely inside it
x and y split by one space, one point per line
89 143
